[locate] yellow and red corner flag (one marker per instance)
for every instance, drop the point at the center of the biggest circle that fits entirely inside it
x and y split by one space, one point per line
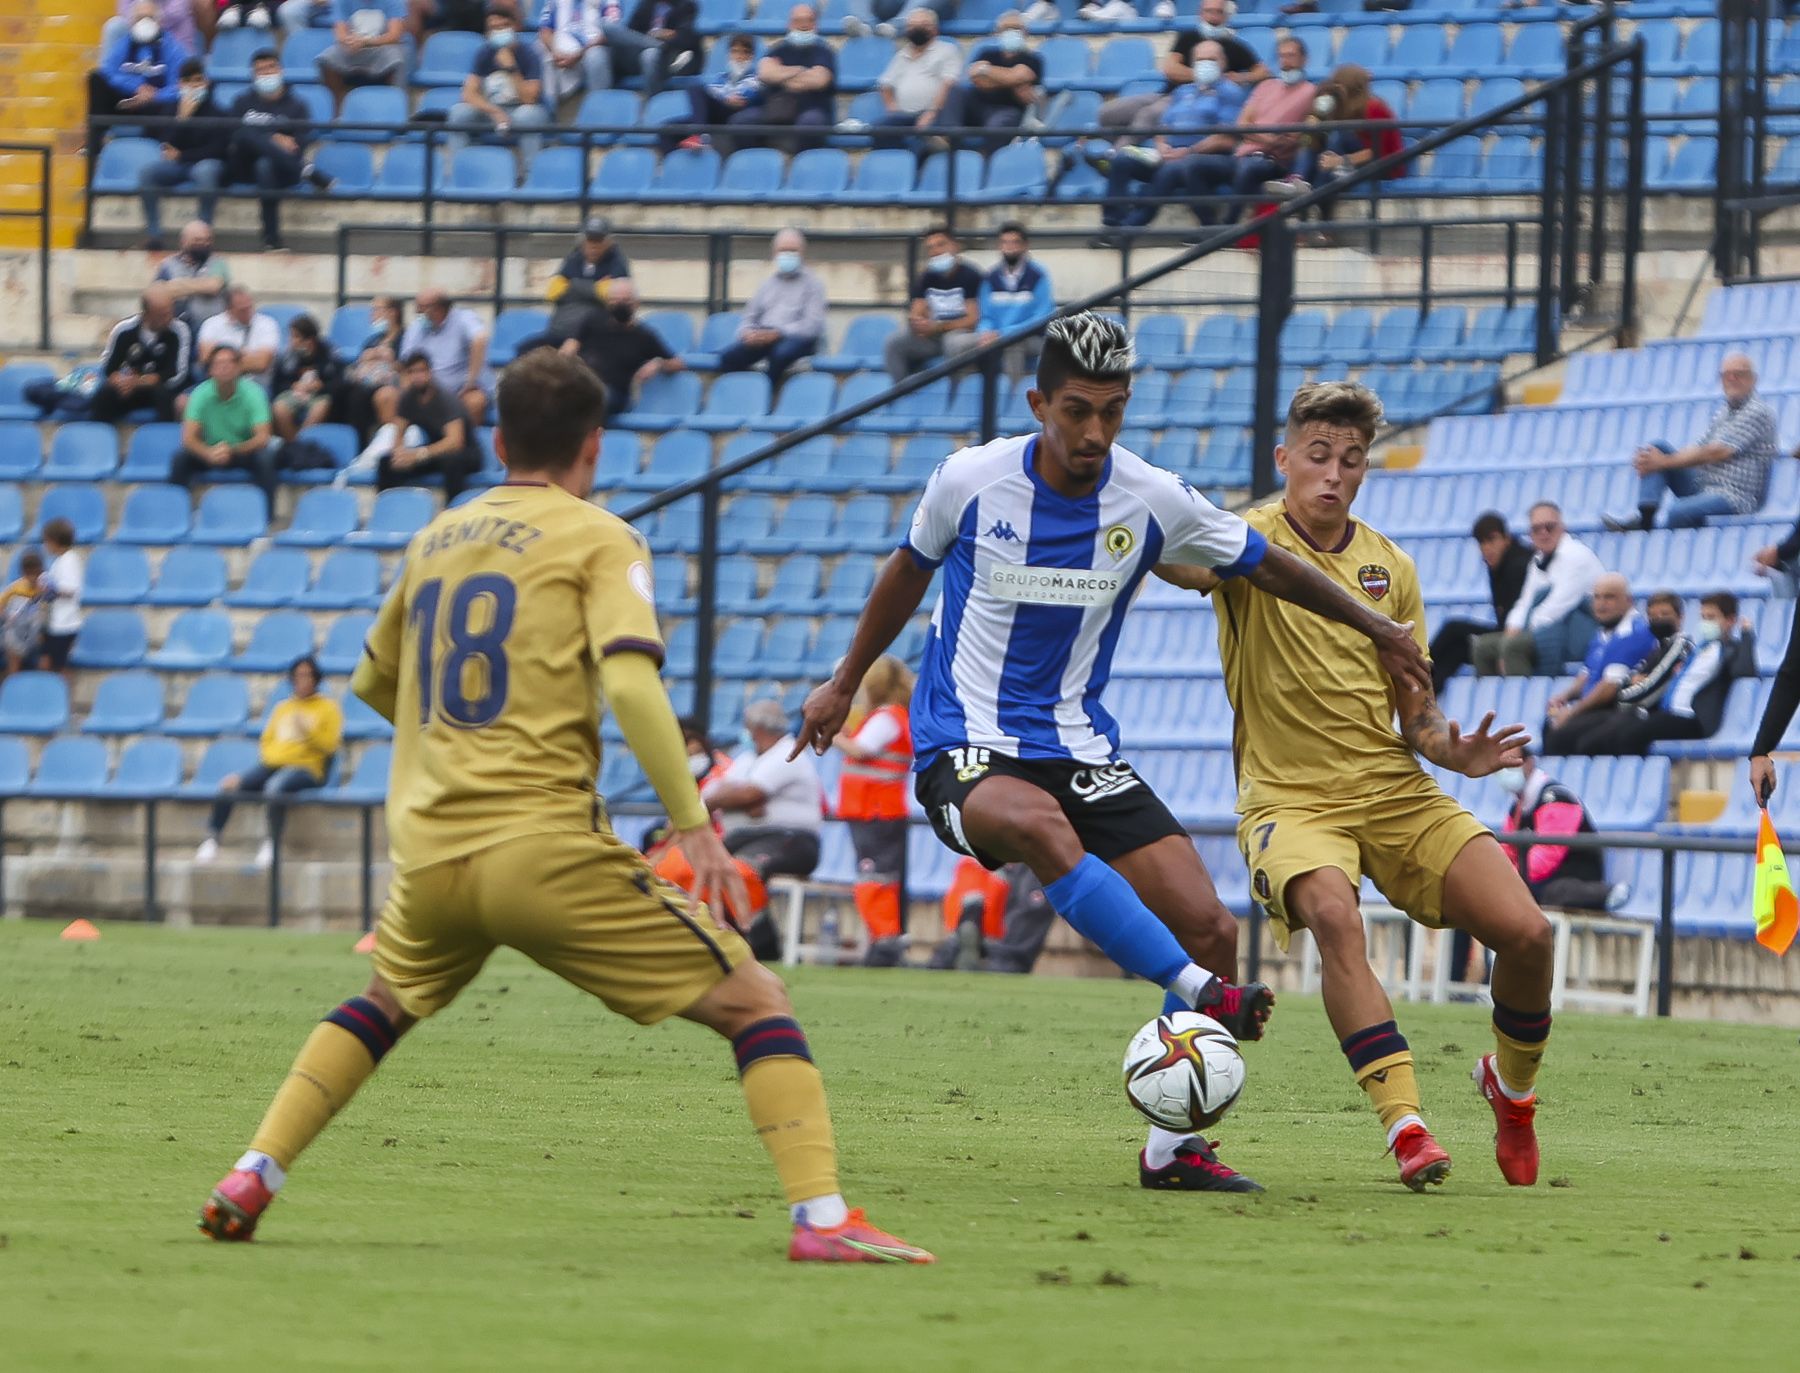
1777 908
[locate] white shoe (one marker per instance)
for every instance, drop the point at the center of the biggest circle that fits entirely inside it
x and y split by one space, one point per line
230 19
259 19
208 852
1111 12
265 855
885 30
1617 895
1043 12
855 26
1165 9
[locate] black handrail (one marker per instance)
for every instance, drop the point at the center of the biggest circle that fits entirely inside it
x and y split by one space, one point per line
46 201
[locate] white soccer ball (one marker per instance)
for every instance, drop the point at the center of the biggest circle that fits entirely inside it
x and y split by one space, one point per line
1183 1071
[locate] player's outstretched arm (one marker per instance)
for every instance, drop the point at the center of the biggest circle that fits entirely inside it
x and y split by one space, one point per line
898 591
1441 741
1281 574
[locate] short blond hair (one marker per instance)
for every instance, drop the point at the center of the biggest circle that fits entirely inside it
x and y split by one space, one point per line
888 683
1335 402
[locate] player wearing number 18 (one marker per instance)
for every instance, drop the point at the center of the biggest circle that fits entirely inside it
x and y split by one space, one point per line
514 614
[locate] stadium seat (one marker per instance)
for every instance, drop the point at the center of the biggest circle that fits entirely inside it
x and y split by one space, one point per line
861 350
70 769
274 579
14 378
397 516
322 518
805 399
223 758
15 767
883 176
147 768
121 162
361 721
478 173
511 328
277 642
446 58
717 334
814 176
1223 341
230 516
110 639
664 402
402 173
370 105
21 448
125 703
84 507
350 165
623 174
555 174
82 452
733 400
155 515
934 178
116 575
685 174
33 703
197 639
367 785
217 703
343 644
348 579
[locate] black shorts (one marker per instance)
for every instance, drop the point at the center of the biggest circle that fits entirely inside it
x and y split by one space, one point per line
1111 808
56 648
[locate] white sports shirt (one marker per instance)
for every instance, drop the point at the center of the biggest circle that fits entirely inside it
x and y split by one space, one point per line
1035 590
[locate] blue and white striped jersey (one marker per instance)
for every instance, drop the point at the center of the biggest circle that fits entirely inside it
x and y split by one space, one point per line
1035 589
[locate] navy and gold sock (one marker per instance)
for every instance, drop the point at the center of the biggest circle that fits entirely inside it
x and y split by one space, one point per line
1520 1037
336 1059
786 1097
1383 1063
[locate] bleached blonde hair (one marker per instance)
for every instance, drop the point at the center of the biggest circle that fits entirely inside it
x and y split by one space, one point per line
1334 402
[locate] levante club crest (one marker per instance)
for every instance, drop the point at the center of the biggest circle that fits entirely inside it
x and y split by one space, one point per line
1375 580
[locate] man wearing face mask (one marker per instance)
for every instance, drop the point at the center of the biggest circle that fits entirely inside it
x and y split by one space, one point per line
1570 878
622 351
440 422
785 318
268 148
1679 693
941 318
1015 292
502 90
799 82
196 277
1242 67
1005 80
1285 98
138 69
193 151
917 80
1621 640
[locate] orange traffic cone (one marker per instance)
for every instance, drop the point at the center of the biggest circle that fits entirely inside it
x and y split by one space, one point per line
80 930
367 943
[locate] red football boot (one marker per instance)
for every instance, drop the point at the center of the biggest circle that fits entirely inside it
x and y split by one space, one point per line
1423 1162
1515 1128
231 1212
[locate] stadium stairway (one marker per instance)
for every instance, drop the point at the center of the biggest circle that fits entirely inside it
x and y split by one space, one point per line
44 60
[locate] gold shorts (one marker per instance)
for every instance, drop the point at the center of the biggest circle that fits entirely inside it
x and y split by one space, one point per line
584 905
1405 841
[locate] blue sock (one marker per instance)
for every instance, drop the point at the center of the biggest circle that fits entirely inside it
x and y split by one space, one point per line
1102 905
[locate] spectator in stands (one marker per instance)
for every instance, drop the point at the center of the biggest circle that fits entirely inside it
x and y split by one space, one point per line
916 81
579 286
1174 163
798 75
1284 98
269 145
460 16
785 318
368 47
1550 624
1648 678
456 341
193 151
1242 67
943 312
23 606
883 13
589 43
387 325
294 15
705 761
1327 157
770 806
195 276
1015 292
1005 82
145 361
1678 692
673 26
255 336
63 582
872 796
446 450
733 90
306 377
1622 639
1507 561
998 921
138 70
1725 472
622 350
304 732
226 425
180 19
502 91
1568 878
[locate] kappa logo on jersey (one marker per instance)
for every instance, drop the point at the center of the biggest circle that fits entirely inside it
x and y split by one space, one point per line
970 763
1375 580
1094 784
1003 532
1260 884
1120 541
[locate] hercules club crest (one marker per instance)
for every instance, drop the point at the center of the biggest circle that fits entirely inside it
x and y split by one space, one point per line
1375 580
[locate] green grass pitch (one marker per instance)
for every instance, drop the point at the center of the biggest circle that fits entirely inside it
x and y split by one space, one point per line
531 1183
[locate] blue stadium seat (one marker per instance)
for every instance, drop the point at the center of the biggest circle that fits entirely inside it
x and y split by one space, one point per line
232 50
84 507
1438 101
230 516
148 453
805 398
116 575
814 176
678 456
398 515
1161 341
749 174
1419 51
1303 338
861 350
1395 335
343 644
350 165
71 769
110 639
1514 163
1537 50
865 523
883 176
274 579
624 174
664 402
147 768
82 452
322 518
1367 47
350 325
861 61
370 105
511 328
685 174
555 174
478 173
446 58
198 639
733 399
155 515
718 333
613 108
361 721
15 767
367 785
276 643
620 455
188 577
1015 172
33 703
21 448
349 579
1120 61
121 160
1439 332
217 703
223 757
126 703
1494 91
934 178
402 174
1691 167
1222 341
14 378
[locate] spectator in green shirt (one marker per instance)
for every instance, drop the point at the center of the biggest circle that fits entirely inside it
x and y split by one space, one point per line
226 425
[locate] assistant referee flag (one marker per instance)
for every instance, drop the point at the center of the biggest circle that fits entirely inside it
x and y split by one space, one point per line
1777 909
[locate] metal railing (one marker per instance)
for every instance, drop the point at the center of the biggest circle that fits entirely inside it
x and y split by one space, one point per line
45 156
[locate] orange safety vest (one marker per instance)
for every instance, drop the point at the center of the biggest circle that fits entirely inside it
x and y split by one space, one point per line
875 788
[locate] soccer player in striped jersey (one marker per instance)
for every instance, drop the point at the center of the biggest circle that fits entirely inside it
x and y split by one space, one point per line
1043 540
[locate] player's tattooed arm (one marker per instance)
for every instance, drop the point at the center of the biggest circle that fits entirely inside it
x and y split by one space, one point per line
1283 575
1441 741
898 590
